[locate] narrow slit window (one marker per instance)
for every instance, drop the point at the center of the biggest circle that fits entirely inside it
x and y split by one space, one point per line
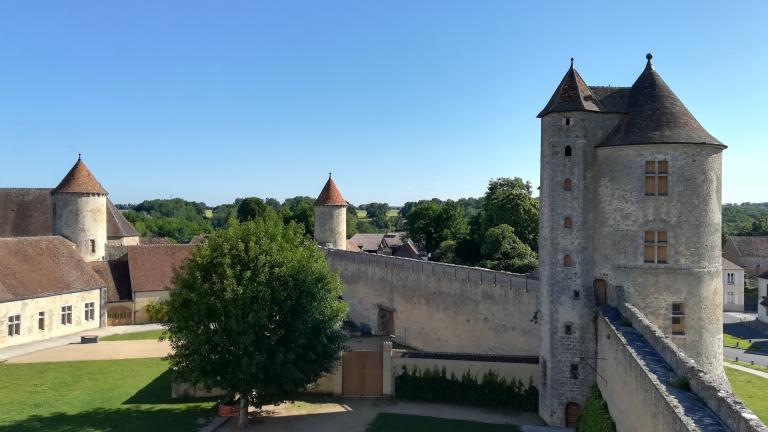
41 320
567 261
568 150
678 318
92 244
574 371
568 222
567 185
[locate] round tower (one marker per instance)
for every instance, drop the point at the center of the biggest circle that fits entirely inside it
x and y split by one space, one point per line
331 217
80 212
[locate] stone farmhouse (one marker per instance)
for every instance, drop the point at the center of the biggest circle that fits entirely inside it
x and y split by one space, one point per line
628 296
733 287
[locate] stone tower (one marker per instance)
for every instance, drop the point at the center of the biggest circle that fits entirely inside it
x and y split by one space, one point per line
629 212
80 212
331 217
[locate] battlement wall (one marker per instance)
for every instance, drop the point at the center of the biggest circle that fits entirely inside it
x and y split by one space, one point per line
441 307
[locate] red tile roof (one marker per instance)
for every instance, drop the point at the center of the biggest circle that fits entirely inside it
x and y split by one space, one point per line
80 180
151 266
330 195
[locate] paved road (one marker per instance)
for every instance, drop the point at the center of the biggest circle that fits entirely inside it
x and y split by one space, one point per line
19 350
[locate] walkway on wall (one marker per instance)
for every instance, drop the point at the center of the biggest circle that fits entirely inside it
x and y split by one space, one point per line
19 350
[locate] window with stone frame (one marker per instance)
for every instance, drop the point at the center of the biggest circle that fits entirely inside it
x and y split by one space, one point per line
41 320
731 278
678 319
66 315
655 247
90 311
14 325
92 244
656 178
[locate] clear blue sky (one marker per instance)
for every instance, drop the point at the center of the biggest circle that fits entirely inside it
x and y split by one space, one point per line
402 100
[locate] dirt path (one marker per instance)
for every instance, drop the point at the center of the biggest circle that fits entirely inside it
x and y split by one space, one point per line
97 351
354 415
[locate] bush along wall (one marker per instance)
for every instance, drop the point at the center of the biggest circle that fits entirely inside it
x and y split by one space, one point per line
595 416
433 385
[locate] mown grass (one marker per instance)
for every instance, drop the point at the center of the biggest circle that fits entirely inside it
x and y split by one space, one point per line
737 342
145 335
386 422
748 365
95 396
751 389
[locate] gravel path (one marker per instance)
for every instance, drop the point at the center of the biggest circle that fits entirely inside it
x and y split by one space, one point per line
747 370
97 351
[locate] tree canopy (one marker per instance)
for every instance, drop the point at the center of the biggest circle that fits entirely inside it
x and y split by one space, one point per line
502 250
256 311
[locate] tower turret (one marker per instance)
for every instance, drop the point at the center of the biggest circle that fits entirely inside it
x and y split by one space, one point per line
331 217
80 212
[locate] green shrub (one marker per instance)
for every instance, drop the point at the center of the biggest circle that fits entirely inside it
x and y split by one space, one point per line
681 383
594 416
157 311
433 385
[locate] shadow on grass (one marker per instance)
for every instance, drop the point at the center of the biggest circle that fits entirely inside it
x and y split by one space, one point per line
116 420
159 392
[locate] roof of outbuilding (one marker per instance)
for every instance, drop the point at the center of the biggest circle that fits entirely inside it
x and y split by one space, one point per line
117 224
763 275
572 94
28 212
367 241
330 195
42 266
152 266
407 250
750 246
79 179
352 247
655 115
116 277
728 265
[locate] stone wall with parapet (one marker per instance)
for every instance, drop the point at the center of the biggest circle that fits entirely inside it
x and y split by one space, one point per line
441 307
634 353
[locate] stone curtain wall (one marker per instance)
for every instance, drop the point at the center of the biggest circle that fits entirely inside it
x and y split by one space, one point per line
715 395
442 307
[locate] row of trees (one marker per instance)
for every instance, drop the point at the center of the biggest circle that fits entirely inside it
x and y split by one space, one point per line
745 219
498 231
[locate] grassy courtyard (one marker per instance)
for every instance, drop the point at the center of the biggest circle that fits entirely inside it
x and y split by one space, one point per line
386 422
145 335
737 342
91 396
751 389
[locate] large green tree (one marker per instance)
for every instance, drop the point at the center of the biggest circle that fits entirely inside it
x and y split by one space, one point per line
510 201
431 223
252 208
256 311
502 250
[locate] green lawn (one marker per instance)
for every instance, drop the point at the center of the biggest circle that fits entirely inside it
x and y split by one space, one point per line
752 390
748 365
90 396
736 342
386 422
149 334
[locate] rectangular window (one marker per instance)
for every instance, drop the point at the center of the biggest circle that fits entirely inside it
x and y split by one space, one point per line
66 315
41 320
655 247
731 278
574 371
731 298
656 178
678 318
543 372
14 325
90 311
93 245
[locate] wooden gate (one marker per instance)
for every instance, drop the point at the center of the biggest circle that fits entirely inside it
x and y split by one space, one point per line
119 315
572 411
361 373
600 292
386 324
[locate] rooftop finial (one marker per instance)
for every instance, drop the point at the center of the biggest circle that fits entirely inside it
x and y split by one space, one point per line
79 156
648 57
329 175
571 62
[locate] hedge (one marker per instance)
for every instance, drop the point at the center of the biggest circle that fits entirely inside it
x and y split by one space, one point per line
594 416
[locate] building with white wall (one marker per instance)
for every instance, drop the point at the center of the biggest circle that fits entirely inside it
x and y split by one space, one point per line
733 287
762 297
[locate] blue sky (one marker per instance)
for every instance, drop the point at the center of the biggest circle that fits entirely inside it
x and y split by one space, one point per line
401 100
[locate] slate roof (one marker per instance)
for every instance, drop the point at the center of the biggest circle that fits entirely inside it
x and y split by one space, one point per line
116 277
117 224
28 212
330 195
611 99
79 179
151 266
728 265
42 266
407 250
655 115
367 241
393 239
750 246
572 94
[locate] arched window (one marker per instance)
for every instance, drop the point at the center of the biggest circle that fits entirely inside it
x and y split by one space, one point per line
567 261
567 185
568 223
567 150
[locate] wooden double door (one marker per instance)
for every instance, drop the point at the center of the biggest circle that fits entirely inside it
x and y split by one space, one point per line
361 373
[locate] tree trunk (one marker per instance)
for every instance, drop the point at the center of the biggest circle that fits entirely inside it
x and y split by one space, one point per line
242 420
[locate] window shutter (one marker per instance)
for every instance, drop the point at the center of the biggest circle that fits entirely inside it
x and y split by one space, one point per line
649 253
650 185
663 185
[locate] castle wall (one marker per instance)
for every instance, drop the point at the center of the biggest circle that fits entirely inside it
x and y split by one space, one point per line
690 214
81 218
441 307
331 226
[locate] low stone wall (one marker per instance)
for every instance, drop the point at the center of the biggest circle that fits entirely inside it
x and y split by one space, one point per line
645 360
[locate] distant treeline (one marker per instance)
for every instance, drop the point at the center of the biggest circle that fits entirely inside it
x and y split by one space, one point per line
745 219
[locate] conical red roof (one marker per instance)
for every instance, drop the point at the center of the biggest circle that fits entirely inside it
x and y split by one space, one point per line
330 195
572 94
80 180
